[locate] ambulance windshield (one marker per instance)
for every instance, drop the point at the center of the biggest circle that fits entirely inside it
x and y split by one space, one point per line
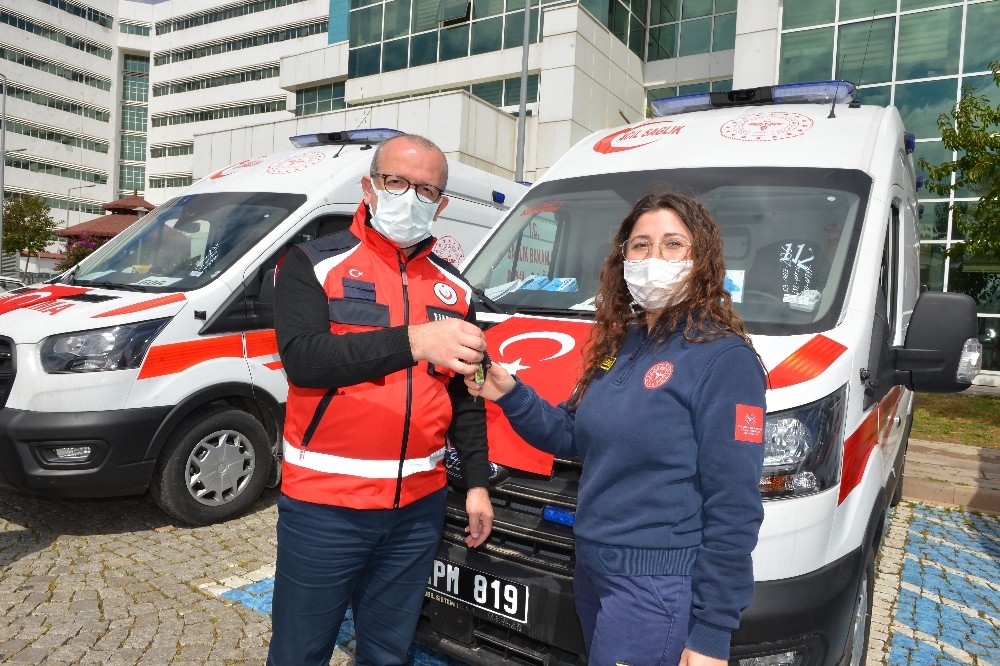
789 238
187 242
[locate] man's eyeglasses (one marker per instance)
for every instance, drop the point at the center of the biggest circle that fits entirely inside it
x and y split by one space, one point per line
398 186
671 247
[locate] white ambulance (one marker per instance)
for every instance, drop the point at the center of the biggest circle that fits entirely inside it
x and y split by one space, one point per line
816 201
153 363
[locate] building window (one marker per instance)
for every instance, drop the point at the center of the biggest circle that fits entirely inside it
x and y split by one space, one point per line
56 135
320 99
131 178
171 151
806 56
864 51
51 101
135 88
158 182
133 148
92 15
929 44
56 35
134 118
259 73
315 27
215 113
133 28
689 27
222 14
50 67
137 64
38 165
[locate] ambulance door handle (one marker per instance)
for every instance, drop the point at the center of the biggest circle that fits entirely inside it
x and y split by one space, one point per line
896 421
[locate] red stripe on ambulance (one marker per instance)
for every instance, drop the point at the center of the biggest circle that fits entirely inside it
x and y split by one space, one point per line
179 356
858 447
807 362
145 305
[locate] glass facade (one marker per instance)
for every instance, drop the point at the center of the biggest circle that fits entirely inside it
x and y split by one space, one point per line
134 125
319 99
690 27
917 56
390 35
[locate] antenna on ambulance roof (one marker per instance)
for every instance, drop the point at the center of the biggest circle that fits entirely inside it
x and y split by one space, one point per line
861 76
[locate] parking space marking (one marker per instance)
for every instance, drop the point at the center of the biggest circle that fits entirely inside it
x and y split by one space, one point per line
957 572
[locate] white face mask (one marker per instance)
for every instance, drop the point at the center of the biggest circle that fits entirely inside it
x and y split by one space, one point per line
653 282
403 219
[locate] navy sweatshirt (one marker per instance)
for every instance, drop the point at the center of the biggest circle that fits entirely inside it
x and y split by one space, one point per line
670 441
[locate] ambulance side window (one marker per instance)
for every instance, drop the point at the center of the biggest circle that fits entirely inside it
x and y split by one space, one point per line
880 378
252 307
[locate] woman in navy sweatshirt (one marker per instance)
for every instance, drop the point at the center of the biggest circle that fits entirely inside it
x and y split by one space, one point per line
667 419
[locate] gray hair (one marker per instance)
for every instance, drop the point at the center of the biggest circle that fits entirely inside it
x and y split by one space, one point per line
421 141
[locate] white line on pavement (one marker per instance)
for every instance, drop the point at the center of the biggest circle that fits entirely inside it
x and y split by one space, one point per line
955 572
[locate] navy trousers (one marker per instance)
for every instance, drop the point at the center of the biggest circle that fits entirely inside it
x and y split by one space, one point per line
378 561
632 620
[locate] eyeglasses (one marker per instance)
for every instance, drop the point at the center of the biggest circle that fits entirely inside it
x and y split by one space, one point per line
397 185
638 249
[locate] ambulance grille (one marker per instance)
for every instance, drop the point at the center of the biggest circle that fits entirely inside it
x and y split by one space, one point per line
519 533
6 368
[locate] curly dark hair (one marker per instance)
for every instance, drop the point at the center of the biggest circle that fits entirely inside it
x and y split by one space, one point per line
706 309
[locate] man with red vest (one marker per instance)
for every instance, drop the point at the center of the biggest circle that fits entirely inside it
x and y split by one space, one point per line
376 334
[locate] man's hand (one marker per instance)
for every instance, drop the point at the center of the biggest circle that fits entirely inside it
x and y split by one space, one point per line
691 658
477 505
450 343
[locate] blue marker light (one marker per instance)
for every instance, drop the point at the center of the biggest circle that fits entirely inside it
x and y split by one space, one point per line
360 136
554 514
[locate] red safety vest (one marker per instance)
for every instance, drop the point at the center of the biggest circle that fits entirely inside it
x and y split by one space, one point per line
377 444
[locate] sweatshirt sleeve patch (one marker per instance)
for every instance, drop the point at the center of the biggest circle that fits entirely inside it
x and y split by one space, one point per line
749 424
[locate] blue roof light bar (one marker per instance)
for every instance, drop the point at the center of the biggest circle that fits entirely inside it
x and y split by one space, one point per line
814 92
359 136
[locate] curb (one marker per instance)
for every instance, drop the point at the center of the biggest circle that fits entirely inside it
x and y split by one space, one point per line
953 475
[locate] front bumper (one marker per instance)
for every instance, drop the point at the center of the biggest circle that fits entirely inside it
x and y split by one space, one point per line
118 439
810 615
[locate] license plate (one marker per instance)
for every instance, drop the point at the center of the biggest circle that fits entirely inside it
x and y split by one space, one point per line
480 590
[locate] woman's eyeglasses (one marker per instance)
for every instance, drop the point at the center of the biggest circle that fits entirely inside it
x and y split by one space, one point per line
398 186
671 247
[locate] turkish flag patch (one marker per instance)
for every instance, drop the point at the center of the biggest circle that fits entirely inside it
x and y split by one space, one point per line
749 424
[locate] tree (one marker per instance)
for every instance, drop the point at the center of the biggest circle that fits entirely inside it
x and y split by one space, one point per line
77 249
27 225
973 129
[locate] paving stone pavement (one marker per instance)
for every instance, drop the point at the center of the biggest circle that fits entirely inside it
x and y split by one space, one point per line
113 582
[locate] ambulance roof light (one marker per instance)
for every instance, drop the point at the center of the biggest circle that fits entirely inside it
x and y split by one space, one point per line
814 92
359 136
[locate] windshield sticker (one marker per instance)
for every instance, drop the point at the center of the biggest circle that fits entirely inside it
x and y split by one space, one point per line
543 283
805 301
296 163
637 137
544 207
449 249
767 126
233 168
734 284
157 281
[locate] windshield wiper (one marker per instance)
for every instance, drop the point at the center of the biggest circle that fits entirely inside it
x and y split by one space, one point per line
117 285
555 312
490 304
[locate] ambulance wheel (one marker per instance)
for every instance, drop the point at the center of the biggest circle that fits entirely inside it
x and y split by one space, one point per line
857 643
213 468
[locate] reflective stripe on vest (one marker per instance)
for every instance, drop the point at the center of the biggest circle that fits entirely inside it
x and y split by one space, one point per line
368 469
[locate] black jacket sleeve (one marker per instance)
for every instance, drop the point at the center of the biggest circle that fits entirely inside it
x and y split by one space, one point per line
311 355
468 429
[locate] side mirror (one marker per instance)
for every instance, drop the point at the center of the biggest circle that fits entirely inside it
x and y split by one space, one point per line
942 352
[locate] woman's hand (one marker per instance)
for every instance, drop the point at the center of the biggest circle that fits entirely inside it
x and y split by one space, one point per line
498 383
691 658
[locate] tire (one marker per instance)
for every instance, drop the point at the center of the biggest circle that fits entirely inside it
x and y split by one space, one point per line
213 467
856 653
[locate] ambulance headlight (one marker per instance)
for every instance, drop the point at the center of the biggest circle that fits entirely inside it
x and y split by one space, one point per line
802 448
114 348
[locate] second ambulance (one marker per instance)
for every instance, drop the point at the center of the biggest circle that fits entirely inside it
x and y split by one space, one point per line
815 196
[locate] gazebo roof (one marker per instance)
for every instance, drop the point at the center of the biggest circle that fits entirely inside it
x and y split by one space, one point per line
122 213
